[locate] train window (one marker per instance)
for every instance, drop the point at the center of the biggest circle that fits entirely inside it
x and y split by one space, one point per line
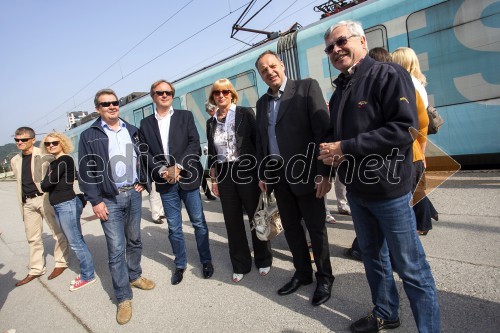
147 110
376 37
138 115
176 104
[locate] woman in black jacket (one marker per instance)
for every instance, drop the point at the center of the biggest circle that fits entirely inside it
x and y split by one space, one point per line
233 170
67 206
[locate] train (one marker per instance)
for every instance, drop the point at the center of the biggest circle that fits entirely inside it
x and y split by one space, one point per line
457 43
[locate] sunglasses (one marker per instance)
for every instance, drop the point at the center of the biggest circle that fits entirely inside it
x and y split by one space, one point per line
23 139
107 104
49 143
218 92
341 41
160 93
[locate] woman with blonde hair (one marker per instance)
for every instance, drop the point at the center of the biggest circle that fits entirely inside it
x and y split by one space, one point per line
233 170
67 205
423 209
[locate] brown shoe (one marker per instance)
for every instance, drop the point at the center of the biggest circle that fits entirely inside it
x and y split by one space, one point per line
56 272
27 279
124 312
143 283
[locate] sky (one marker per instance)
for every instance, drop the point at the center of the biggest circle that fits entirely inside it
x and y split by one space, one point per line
56 54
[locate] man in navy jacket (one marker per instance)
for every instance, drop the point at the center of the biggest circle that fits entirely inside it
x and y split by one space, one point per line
112 178
371 113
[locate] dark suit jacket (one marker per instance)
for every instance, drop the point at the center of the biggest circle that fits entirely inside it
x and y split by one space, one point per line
183 145
301 124
245 136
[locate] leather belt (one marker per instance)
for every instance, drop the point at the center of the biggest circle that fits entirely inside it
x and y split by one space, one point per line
31 196
126 188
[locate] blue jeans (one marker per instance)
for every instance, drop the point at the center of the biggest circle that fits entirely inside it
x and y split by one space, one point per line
123 238
68 218
385 226
172 205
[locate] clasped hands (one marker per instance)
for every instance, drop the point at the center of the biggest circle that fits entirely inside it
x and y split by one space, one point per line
171 174
330 153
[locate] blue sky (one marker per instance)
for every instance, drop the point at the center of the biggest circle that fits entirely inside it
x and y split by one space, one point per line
56 54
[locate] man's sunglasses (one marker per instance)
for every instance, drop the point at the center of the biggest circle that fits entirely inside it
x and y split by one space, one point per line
160 93
107 104
341 41
218 92
23 139
53 143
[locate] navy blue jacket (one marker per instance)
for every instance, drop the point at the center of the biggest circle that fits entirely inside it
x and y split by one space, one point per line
371 112
95 175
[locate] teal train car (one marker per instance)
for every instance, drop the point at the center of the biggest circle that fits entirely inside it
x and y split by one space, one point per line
457 42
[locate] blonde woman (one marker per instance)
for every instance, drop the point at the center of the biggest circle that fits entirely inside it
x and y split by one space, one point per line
424 209
67 206
233 170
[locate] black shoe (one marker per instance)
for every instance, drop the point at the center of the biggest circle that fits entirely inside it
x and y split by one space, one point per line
322 293
436 217
372 324
178 275
159 221
292 286
208 270
210 196
353 254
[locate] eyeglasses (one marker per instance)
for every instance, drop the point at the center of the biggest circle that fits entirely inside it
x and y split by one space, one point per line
23 139
218 92
160 93
53 143
341 41
107 104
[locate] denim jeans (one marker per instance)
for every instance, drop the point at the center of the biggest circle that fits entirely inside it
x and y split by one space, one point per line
123 237
192 201
68 218
385 226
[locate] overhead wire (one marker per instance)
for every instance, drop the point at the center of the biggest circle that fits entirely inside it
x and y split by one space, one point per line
114 63
146 63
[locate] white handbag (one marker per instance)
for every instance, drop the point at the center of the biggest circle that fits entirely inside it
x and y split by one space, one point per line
266 220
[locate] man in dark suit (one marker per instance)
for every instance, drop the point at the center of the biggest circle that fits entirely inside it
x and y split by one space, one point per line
291 120
173 147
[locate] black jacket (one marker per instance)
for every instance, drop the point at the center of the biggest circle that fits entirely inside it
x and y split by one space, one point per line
183 145
371 112
245 137
301 124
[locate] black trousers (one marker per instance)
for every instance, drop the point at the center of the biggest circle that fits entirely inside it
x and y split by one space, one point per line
293 209
424 210
238 190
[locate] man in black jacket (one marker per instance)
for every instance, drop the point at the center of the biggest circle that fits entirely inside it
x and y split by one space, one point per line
371 112
112 178
291 120
174 164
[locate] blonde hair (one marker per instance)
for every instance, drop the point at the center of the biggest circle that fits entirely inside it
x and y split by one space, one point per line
223 84
64 141
408 59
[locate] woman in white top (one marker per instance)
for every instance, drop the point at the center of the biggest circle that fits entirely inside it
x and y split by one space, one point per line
233 170
423 209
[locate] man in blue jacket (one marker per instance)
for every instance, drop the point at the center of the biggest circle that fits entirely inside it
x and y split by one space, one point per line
371 113
112 177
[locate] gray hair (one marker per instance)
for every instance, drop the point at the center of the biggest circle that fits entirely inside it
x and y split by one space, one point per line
354 28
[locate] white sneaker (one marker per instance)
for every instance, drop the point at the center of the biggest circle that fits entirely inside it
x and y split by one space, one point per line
344 210
237 277
263 271
330 219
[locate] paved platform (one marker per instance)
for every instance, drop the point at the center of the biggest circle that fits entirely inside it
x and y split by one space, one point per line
463 250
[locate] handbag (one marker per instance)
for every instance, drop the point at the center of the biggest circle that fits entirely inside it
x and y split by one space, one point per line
266 220
435 120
